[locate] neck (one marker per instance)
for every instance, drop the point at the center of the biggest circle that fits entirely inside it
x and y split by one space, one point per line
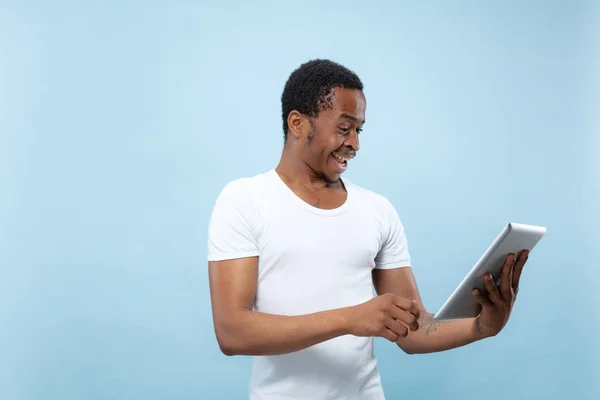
295 171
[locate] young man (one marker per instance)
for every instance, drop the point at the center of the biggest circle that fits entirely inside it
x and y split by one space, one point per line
295 252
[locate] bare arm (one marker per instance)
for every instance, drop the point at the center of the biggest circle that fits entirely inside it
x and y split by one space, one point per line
432 336
242 331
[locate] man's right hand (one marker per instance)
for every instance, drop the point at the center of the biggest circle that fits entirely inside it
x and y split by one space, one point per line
388 316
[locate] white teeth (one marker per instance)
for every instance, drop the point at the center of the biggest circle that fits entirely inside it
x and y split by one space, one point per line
340 158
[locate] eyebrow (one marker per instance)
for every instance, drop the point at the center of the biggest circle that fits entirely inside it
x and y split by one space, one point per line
351 117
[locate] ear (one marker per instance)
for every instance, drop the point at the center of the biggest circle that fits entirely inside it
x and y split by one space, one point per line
298 124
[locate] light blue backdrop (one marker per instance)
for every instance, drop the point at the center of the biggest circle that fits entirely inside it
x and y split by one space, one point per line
121 121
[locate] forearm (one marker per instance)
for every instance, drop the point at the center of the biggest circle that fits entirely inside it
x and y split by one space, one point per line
435 336
249 332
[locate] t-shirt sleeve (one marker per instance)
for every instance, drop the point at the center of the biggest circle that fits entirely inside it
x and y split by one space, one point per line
232 226
394 250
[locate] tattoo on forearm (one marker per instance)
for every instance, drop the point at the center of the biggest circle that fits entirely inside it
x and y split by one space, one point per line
429 325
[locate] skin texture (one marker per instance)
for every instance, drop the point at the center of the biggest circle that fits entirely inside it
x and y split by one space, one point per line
396 313
434 336
307 165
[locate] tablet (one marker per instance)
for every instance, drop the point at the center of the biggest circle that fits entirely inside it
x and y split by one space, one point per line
513 238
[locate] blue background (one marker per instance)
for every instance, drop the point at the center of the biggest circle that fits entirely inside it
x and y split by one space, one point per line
121 121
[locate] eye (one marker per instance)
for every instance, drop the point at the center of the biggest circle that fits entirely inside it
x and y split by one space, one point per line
358 131
344 130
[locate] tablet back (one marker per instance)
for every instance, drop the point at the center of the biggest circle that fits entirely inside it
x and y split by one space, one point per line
513 238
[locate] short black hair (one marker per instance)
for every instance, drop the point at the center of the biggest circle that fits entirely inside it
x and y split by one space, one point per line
308 89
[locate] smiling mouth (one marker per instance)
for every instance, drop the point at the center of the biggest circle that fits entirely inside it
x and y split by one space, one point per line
342 159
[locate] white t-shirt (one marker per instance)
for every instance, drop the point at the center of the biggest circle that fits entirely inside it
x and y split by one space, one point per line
309 260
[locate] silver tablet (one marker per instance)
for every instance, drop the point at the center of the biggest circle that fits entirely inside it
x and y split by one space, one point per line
513 238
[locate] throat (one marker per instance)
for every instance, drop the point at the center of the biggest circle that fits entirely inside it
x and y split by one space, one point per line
329 195
329 184
327 198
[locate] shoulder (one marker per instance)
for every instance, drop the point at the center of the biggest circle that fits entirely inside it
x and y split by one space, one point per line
243 198
237 204
244 188
233 226
376 201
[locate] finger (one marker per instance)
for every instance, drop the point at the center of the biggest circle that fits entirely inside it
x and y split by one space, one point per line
414 310
408 305
481 298
405 317
518 268
492 289
403 302
397 327
389 335
506 279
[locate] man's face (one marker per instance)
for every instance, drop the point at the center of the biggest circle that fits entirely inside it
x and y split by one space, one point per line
332 140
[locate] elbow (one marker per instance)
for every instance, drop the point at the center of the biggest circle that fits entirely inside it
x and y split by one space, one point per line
226 348
229 341
412 352
408 350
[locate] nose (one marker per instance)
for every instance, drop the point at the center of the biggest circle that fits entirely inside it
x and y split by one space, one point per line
352 140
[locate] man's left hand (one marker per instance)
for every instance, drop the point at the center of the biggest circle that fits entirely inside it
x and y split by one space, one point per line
498 299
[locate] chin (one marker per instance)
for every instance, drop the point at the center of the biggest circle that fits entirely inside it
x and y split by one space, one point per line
330 177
